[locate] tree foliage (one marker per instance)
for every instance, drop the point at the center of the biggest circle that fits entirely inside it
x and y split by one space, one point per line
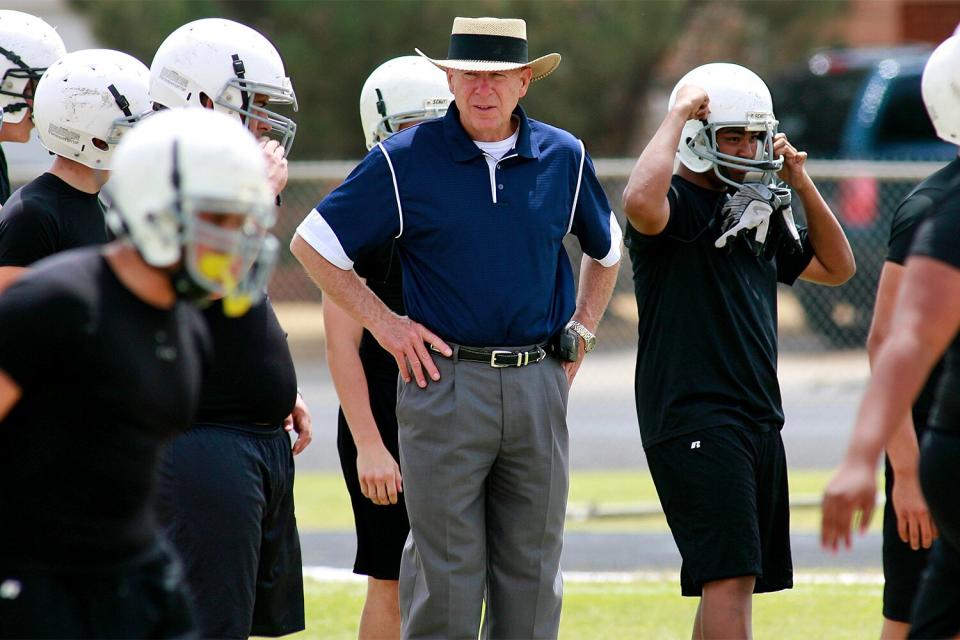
612 50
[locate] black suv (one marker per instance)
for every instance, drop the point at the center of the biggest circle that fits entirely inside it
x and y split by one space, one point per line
857 104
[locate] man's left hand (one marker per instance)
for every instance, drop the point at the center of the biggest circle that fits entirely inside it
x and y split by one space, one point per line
300 422
277 170
571 368
794 171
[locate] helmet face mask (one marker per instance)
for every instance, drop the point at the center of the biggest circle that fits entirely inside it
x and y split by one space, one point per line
738 99
190 193
237 64
401 92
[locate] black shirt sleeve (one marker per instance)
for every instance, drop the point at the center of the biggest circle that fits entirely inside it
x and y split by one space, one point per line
791 264
937 236
25 236
38 317
906 220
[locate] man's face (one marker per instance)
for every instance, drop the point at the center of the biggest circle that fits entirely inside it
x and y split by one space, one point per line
736 141
258 127
486 100
20 131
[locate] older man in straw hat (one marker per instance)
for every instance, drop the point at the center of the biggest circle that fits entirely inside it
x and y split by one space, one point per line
479 203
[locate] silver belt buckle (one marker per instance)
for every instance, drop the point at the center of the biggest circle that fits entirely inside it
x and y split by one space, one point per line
493 358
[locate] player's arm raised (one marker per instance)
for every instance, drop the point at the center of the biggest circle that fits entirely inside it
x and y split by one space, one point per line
645 196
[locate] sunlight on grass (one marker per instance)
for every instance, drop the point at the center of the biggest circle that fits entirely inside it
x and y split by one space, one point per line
323 504
644 609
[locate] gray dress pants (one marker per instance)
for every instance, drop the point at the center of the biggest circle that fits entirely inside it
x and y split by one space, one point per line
484 458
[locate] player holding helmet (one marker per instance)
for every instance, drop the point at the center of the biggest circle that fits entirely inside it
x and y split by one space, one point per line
83 105
28 45
399 93
226 486
100 365
708 400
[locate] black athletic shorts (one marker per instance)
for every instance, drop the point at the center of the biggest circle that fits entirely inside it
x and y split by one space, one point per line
724 492
144 599
936 610
381 529
902 566
225 501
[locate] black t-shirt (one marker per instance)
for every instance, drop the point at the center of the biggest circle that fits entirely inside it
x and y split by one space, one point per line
4 178
383 273
906 220
47 216
106 380
939 238
707 348
252 382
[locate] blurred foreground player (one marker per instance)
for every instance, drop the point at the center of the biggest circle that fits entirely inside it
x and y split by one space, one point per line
101 360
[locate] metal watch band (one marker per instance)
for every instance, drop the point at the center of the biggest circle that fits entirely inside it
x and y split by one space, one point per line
589 339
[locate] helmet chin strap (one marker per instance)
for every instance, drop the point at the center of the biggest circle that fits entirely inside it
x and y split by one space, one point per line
240 71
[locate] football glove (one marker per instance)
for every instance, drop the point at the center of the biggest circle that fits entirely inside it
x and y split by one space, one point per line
749 208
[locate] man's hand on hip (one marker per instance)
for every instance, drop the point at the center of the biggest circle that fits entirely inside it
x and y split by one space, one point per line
405 340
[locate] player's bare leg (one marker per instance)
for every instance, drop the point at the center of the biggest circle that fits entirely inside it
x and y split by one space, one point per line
726 608
380 617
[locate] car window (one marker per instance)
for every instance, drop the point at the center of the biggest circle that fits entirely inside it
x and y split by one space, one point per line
813 110
904 118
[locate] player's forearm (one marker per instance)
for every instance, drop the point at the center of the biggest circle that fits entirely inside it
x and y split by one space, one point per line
9 275
902 367
649 180
346 370
903 449
594 291
826 236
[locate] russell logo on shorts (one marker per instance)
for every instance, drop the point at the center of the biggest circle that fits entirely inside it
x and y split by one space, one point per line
695 444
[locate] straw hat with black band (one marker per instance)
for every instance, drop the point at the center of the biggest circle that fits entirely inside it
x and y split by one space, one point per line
492 44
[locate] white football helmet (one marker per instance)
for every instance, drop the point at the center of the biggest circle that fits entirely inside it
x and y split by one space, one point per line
738 98
940 87
86 101
175 170
407 89
28 45
229 63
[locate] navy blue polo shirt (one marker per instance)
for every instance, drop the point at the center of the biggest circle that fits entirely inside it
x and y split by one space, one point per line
482 254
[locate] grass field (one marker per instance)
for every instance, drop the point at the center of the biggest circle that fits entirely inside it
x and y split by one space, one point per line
648 608
822 605
323 505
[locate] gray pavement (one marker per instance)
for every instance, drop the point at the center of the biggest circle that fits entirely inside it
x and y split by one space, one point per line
821 392
620 552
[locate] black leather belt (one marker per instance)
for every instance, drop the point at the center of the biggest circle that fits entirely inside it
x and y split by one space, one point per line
501 358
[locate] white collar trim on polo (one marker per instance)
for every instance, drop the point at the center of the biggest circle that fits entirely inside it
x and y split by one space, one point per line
493 152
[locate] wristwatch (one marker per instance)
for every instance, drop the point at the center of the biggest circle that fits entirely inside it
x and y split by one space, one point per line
589 340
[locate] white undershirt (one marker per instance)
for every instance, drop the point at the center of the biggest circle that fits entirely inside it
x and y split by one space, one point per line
493 152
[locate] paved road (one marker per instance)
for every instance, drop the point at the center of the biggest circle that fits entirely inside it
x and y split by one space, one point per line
620 552
820 396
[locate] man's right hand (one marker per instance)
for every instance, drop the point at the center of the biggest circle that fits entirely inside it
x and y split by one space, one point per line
692 101
914 523
379 474
405 340
851 491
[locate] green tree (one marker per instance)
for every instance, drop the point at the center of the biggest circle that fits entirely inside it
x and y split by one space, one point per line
613 50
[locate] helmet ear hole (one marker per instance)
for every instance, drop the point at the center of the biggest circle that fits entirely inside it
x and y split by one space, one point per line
100 144
205 101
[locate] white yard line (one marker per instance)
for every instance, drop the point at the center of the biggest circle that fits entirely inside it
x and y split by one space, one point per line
330 574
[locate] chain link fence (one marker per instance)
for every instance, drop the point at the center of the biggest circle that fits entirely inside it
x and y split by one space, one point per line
813 318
